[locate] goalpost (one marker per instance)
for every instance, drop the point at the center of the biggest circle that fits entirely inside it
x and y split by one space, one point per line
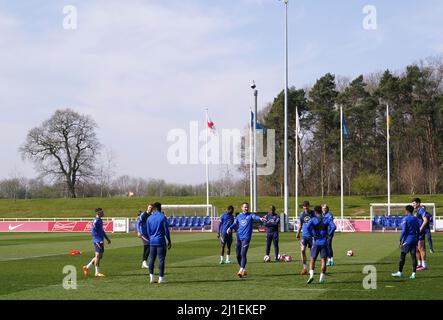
388 217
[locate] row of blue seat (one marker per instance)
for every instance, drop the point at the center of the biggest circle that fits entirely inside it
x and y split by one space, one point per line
389 221
189 222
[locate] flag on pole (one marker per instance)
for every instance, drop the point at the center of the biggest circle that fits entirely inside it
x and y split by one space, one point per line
345 127
389 120
211 126
297 125
259 125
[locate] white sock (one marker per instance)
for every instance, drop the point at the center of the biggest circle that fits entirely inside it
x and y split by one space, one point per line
332 260
97 269
322 276
419 263
311 273
413 274
160 279
228 258
241 270
304 266
221 258
151 277
90 263
423 263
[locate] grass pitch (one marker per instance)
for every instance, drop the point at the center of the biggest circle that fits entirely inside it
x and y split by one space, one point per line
31 267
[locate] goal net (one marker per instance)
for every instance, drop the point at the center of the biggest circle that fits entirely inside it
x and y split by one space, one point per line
389 217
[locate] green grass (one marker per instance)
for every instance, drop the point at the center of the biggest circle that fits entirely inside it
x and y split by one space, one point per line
31 268
128 207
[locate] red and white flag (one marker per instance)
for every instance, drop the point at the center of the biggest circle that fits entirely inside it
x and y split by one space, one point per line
211 126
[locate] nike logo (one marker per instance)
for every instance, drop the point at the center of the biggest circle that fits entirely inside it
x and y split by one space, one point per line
14 227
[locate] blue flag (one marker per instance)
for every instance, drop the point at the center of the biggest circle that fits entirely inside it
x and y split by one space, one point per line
259 125
345 127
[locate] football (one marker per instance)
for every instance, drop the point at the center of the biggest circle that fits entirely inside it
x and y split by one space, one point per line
350 253
288 258
267 258
281 258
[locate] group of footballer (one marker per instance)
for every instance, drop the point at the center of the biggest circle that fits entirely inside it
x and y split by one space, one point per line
315 231
415 229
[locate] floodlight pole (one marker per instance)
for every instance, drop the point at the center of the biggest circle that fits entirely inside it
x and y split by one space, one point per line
286 191
388 157
341 164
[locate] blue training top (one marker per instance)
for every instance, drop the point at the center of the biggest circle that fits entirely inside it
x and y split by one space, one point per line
158 229
244 223
141 224
97 231
305 217
226 220
421 214
272 222
320 229
410 230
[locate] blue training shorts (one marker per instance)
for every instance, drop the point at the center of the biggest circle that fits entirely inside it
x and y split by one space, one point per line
306 241
321 249
99 247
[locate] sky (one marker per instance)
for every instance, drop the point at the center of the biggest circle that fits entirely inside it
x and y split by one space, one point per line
143 68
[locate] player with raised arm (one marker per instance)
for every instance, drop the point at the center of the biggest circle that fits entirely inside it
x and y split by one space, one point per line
306 241
158 230
423 218
98 237
142 233
320 229
272 233
243 223
226 219
328 214
408 241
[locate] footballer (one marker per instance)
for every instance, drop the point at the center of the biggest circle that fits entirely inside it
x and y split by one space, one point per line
98 237
142 233
408 241
243 223
306 241
226 219
320 229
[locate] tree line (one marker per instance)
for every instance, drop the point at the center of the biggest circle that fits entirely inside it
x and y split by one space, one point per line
415 98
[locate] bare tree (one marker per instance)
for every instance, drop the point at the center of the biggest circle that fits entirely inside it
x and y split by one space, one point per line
64 147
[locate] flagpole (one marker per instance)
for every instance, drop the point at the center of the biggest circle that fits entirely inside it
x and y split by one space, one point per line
255 209
388 158
286 191
251 173
207 166
297 129
341 163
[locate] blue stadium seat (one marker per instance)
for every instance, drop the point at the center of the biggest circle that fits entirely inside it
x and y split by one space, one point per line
171 221
376 220
398 221
384 221
391 223
207 221
201 222
188 222
195 222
